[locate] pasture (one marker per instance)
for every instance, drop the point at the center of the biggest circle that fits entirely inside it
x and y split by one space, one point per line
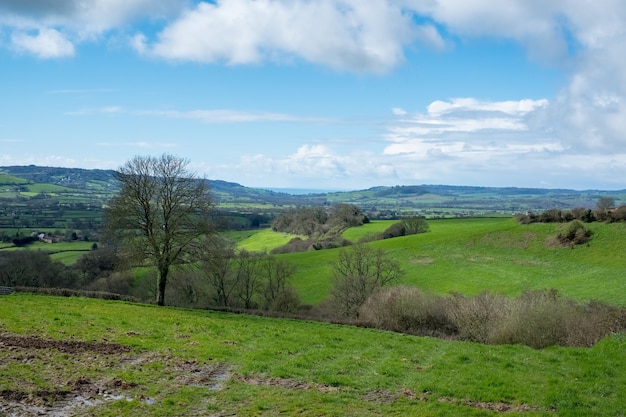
487 254
103 358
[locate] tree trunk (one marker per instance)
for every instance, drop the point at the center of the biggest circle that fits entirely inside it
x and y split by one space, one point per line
161 281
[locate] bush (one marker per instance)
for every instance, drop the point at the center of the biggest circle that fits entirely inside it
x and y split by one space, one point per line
574 233
407 310
395 230
477 317
286 301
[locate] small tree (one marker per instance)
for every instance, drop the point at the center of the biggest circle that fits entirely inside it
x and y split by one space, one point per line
161 212
277 273
414 225
217 265
605 203
358 273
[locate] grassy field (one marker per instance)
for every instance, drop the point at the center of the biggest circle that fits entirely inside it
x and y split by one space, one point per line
65 252
263 240
495 254
97 358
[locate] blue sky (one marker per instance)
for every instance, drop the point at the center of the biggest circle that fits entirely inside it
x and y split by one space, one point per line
321 94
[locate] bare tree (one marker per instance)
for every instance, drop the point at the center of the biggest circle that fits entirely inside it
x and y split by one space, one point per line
161 212
358 273
277 274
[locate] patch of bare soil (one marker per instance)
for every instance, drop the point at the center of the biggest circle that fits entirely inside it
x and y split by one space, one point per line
74 396
287 383
65 346
383 396
491 406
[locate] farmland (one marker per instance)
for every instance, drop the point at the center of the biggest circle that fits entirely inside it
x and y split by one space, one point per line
94 357
494 254
113 358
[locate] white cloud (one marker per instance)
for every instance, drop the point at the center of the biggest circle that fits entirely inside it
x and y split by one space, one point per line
62 24
47 43
342 34
398 111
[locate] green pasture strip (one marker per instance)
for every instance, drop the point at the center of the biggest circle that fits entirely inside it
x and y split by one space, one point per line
48 188
68 257
65 252
287 367
7 180
490 254
265 240
374 227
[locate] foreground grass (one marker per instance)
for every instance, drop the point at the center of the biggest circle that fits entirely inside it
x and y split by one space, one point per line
206 363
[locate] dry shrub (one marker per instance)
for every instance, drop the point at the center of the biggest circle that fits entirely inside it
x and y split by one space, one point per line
286 301
592 322
476 317
543 318
536 319
407 310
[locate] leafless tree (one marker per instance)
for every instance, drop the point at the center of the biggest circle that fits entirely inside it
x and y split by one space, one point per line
161 212
358 272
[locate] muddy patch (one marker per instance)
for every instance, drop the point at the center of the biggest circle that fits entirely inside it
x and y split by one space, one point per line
287 383
80 377
491 406
65 346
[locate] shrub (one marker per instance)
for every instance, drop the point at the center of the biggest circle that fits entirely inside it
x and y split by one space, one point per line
286 301
574 233
407 310
477 317
395 230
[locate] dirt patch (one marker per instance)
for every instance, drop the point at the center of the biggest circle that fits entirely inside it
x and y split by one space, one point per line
287 383
491 406
65 346
78 374
384 397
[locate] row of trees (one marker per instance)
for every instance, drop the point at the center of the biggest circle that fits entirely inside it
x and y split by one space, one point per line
605 211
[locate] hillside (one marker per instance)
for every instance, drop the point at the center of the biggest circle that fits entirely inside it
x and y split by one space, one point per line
81 356
486 254
402 197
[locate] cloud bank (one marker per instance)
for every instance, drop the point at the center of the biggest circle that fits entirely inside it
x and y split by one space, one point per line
581 129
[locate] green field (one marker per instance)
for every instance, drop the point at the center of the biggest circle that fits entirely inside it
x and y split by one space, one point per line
65 252
130 359
495 254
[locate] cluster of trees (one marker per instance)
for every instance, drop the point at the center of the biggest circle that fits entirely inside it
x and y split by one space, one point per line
226 278
318 220
605 211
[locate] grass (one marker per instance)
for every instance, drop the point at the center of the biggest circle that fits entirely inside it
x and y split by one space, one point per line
206 363
65 252
496 254
264 240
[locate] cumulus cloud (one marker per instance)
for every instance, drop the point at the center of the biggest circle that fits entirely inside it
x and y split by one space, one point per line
47 43
62 24
343 34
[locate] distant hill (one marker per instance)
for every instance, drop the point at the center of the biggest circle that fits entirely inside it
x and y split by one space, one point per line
96 186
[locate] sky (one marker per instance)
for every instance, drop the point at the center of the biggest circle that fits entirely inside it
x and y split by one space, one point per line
322 94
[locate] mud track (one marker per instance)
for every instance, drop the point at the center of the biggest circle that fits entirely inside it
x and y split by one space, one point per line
65 346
